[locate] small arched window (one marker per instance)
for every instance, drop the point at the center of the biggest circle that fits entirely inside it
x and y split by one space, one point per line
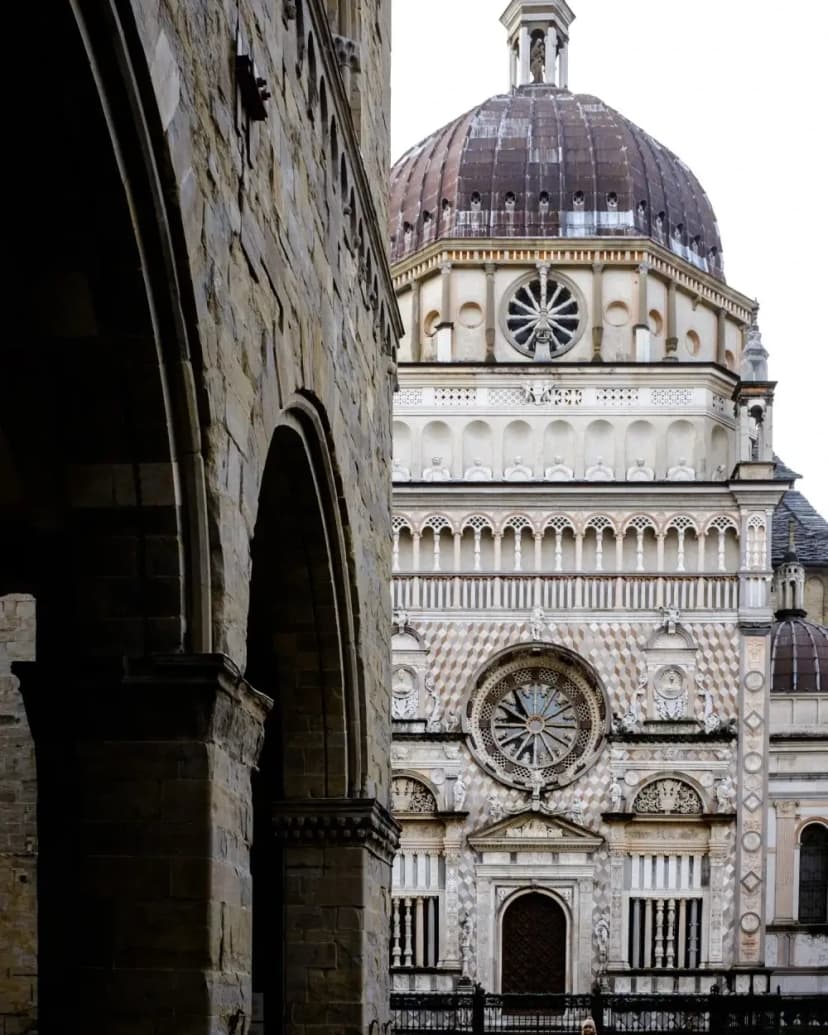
813 875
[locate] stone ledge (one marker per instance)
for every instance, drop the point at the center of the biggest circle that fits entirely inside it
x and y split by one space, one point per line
359 823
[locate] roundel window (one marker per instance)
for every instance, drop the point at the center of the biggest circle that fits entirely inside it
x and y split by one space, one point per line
543 315
537 719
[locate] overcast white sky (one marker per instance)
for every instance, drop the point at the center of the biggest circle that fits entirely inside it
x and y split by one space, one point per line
739 90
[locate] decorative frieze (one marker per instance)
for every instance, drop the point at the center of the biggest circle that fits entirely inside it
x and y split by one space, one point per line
353 823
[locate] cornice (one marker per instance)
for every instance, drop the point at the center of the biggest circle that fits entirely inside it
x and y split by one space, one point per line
350 822
616 251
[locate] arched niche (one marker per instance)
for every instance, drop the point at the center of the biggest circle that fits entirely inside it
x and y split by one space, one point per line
478 450
436 446
559 442
477 544
518 445
599 445
640 444
719 453
402 451
681 445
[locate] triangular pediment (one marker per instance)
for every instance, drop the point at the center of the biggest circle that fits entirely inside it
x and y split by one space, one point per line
530 831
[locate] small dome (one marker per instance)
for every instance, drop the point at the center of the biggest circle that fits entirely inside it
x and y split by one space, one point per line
542 162
799 657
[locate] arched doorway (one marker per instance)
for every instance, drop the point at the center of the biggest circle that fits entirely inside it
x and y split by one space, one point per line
533 946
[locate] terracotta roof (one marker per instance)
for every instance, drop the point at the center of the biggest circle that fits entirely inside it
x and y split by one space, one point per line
543 162
799 657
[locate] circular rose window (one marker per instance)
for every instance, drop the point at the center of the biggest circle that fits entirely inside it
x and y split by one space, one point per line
537 719
543 315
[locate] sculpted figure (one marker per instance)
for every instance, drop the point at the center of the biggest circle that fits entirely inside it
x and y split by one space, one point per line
681 472
435 710
640 472
616 796
518 472
399 473
438 472
602 938
460 791
559 471
599 472
537 59
725 794
478 472
495 808
538 624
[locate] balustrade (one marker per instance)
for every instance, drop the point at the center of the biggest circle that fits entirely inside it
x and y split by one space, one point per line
415 930
565 592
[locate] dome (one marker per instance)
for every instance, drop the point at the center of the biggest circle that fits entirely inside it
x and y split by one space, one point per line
543 162
799 656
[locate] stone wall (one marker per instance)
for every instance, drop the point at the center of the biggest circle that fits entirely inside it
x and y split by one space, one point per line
18 829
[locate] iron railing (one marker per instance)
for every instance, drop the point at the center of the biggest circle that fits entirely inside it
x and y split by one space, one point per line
478 1013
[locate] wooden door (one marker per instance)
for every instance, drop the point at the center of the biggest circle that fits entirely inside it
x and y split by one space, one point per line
533 947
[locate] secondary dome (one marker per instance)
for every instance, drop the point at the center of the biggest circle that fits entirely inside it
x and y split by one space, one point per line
544 162
799 656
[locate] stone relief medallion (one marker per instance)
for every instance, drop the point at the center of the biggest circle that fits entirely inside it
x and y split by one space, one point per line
631 777
671 696
751 841
753 762
750 923
754 681
536 719
403 693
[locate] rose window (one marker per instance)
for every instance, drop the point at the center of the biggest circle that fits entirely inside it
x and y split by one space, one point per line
537 719
543 316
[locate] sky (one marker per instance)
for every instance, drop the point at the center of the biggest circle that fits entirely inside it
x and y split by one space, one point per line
738 89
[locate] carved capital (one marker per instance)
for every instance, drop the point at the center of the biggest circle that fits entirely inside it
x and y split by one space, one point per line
786 809
350 822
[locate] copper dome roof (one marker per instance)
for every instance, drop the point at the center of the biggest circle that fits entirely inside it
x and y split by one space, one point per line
544 162
799 656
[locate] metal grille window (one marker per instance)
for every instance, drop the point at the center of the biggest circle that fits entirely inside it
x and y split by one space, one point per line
418 880
813 875
666 910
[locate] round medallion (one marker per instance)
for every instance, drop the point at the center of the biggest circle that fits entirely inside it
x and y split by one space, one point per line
751 841
537 719
670 682
754 681
750 923
543 314
753 762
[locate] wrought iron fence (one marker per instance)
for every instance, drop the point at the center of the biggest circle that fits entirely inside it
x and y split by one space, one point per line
477 1013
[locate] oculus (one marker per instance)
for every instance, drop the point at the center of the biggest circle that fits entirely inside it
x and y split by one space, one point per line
537 718
543 315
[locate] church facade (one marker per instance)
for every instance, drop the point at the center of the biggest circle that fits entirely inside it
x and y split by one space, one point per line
610 744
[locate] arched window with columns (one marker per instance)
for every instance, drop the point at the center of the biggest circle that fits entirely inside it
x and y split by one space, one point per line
813 874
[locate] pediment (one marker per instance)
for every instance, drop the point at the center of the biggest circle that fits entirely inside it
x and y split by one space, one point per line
531 831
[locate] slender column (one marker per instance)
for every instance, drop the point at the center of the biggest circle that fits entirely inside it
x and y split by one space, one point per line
558 549
477 549
518 533
490 312
395 551
408 947
671 932
702 550
538 550
450 924
671 344
660 552
642 328
415 551
396 949
721 338
617 852
416 320
525 46
551 55
144 805
458 539
445 328
498 546
597 311
619 551
579 551
599 549
564 66
680 556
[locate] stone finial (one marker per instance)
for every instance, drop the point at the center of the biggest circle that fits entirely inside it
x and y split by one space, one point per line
755 356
